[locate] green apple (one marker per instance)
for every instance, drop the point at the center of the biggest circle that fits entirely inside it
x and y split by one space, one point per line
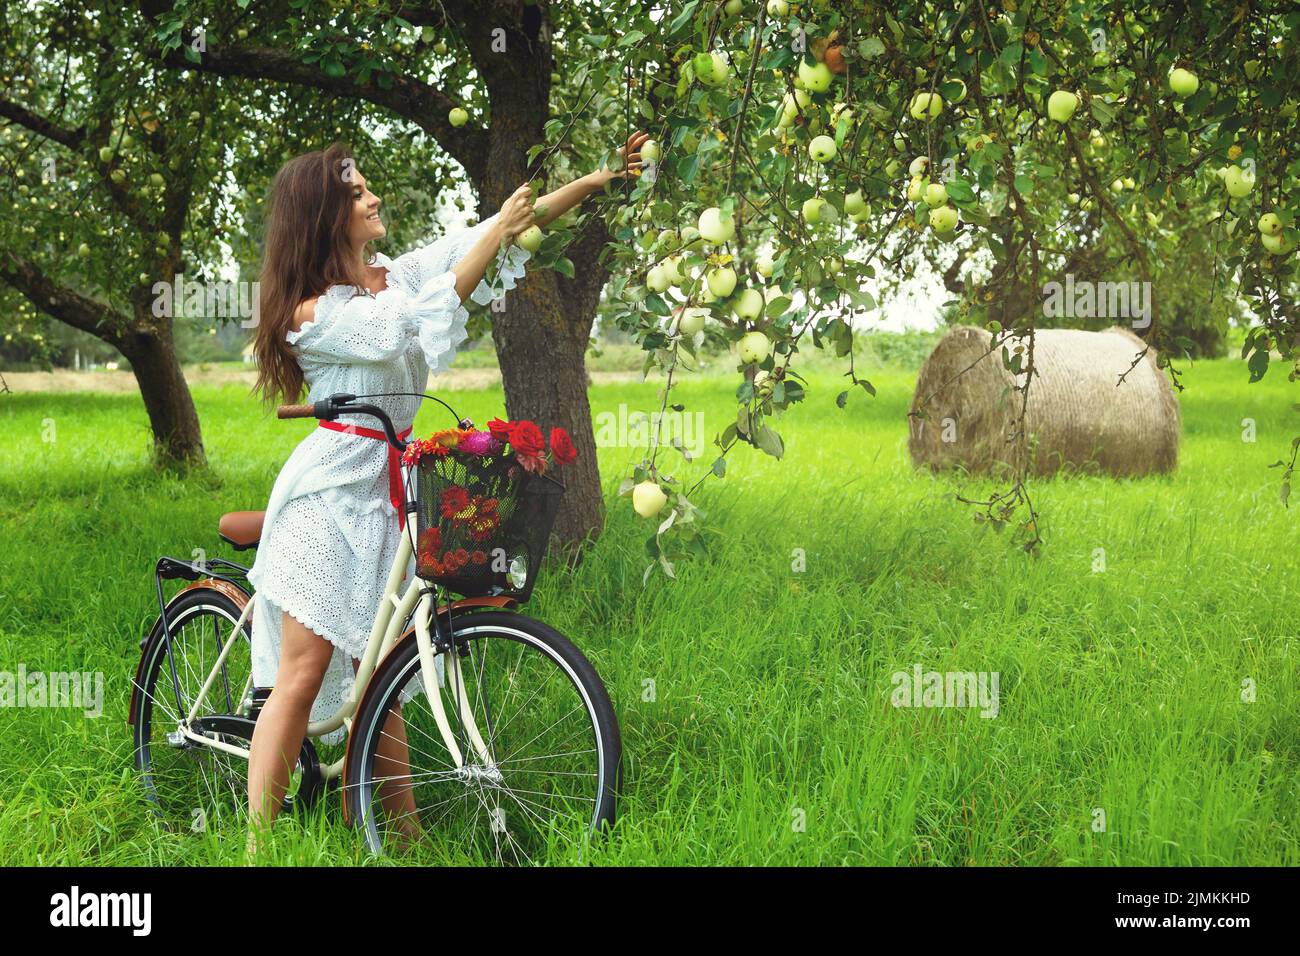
1238 182
712 69
935 194
156 179
812 209
715 227
691 321
105 154
118 176
195 116
672 267
855 204
765 265
721 281
817 78
1061 106
457 116
821 149
916 189
1183 83
530 239
440 48
778 8
733 7
919 165
943 219
656 279
763 383
648 499
749 305
753 348
83 250
650 151
1270 224
1274 243
1117 185
926 106
841 111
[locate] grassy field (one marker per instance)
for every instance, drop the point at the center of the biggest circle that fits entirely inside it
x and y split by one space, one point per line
771 738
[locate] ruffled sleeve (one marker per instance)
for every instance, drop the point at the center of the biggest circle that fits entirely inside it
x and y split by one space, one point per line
422 265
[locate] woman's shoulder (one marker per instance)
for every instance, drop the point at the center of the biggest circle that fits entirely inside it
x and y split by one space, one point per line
304 314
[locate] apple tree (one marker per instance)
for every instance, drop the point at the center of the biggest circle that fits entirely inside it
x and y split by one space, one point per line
809 152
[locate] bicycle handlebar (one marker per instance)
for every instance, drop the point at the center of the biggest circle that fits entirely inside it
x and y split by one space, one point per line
341 403
296 411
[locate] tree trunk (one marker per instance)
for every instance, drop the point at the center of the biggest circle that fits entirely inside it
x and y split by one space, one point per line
541 343
544 373
167 399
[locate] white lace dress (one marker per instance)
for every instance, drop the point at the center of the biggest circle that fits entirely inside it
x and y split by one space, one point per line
331 534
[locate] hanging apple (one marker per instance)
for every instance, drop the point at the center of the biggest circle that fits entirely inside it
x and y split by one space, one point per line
716 228
656 280
821 149
1238 182
690 321
1183 82
650 151
721 281
926 106
753 348
936 194
530 239
749 305
855 204
1061 106
1270 224
812 209
457 116
648 499
817 77
943 219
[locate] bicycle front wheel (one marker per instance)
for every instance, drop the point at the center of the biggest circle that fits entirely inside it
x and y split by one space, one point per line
538 743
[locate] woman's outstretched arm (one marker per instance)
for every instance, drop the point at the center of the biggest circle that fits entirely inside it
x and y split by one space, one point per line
557 203
515 216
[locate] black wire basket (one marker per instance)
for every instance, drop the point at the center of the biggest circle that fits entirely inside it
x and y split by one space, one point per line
483 523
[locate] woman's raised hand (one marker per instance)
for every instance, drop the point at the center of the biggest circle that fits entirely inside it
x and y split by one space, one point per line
630 153
517 212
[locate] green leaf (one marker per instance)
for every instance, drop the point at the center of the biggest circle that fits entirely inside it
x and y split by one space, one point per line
770 442
720 467
959 190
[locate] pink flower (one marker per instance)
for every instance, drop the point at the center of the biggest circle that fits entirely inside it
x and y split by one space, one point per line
480 443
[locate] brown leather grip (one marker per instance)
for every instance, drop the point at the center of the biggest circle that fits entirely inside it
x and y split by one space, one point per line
296 411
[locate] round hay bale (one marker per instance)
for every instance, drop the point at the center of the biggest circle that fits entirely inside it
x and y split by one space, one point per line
964 410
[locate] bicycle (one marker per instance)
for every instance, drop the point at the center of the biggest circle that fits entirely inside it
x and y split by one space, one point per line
520 759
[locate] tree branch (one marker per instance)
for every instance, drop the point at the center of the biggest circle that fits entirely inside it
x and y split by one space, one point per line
60 302
424 105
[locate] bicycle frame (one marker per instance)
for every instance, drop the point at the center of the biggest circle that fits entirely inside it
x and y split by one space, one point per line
393 612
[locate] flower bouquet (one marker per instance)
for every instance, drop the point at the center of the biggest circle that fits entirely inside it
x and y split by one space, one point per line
486 500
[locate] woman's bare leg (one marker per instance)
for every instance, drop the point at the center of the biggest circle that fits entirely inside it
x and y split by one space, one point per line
393 766
282 723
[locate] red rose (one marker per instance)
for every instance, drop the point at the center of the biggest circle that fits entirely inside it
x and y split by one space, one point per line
500 430
562 446
526 439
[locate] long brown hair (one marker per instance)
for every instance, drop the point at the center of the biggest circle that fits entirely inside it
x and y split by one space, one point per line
307 250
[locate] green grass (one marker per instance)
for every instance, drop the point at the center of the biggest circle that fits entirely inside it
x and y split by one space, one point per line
769 737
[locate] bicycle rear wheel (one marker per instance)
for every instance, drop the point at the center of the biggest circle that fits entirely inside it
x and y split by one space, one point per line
190 784
547 731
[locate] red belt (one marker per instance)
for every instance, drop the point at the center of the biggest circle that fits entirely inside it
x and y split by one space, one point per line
395 494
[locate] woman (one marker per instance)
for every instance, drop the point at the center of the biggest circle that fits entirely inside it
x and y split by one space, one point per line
336 317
